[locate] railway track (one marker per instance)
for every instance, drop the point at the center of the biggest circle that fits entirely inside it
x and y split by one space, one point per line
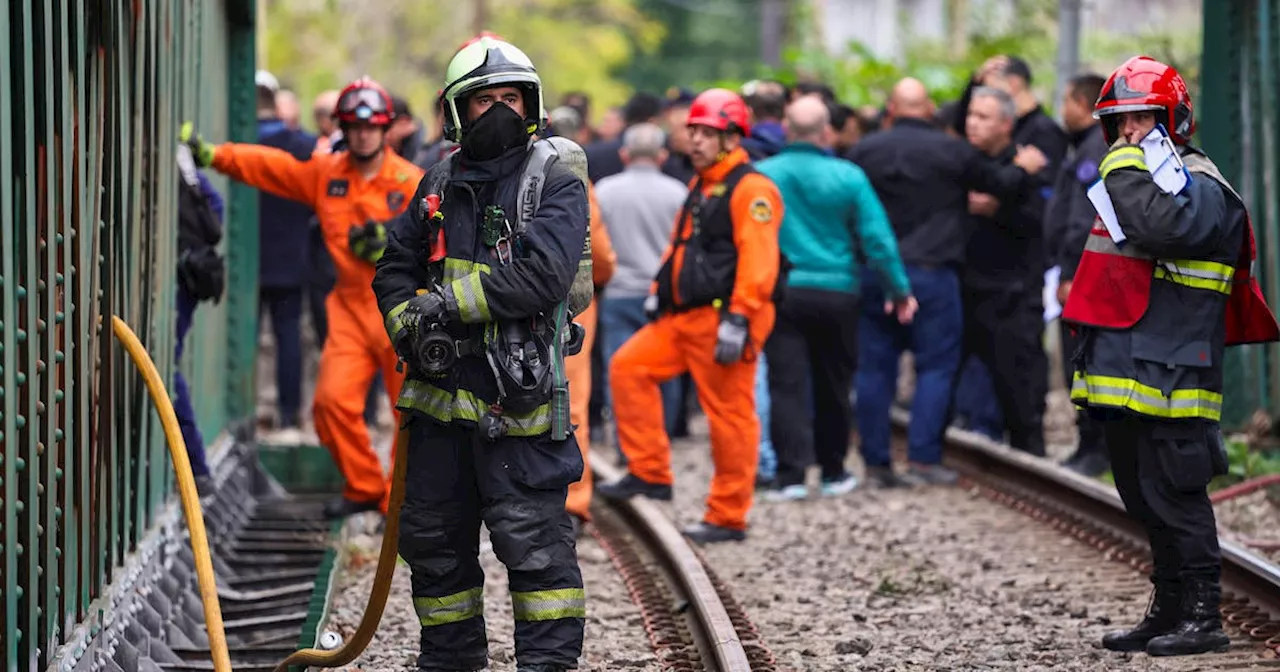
1092 513
693 622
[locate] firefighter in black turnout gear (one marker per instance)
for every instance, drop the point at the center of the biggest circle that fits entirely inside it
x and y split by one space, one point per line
478 285
1154 314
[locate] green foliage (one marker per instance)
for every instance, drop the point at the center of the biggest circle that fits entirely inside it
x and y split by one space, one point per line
1246 464
859 77
406 44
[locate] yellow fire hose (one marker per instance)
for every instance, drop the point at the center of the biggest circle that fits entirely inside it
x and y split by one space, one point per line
354 646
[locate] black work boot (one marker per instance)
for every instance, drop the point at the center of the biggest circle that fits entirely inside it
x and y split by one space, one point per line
541 667
1199 628
1088 463
341 507
706 533
1162 615
631 485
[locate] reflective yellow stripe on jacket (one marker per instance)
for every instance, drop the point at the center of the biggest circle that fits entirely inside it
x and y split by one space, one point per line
423 397
1197 274
1127 393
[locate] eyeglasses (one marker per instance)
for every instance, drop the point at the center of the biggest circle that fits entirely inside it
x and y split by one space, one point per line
370 100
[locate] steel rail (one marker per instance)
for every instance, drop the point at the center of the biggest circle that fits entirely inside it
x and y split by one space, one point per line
1252 580
672 549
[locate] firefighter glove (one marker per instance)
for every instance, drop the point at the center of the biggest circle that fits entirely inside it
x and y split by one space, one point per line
651 307
368 242
201 151
731 338
420 313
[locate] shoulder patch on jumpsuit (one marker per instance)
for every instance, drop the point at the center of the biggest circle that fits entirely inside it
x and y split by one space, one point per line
760 210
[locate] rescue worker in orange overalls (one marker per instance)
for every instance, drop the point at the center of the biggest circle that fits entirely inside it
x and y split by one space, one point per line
712 310
1155 308
578 367
353 192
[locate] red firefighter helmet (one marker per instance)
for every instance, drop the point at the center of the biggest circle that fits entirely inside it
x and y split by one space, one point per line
364 100
721 109
1144 83
477 38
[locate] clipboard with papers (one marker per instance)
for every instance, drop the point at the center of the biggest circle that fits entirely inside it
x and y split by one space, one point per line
1166 168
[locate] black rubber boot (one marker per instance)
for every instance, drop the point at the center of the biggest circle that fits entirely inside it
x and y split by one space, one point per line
1199 630
1088 463
1162 616
706 533
631 485
341 507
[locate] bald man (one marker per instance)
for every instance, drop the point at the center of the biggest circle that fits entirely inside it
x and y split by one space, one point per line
923 178
828 201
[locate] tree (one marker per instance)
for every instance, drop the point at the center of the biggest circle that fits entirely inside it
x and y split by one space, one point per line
313 45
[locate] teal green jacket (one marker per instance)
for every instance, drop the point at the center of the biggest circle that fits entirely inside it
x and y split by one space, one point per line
827 201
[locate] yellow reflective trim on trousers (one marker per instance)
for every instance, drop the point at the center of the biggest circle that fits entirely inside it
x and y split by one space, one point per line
423 397
1209 275
473 308
453 608
394 327
549 605
1128 393
1125 157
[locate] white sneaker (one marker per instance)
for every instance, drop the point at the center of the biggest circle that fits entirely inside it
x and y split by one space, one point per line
289 436
789 493
843 486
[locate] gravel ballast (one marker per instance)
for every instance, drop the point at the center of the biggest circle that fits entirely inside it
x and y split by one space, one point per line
928 579
615 637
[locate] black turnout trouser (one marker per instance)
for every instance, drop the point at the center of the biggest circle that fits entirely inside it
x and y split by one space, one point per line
517 487
1003 328
1162 470
814 340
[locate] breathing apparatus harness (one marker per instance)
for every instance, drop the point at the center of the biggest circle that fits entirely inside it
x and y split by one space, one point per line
525 356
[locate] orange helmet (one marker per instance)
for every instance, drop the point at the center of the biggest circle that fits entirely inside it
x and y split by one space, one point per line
364 100
720 109
1144 83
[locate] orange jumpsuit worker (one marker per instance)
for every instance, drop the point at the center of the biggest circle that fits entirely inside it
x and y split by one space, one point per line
578 367
712 318
352 192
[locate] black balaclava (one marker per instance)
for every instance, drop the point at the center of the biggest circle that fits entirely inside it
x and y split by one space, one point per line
500 128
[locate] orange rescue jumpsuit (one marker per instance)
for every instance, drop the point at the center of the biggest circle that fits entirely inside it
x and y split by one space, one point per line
578 367
686 341
357 345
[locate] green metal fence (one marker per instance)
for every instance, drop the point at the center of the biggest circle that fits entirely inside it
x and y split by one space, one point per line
1239 123
93 93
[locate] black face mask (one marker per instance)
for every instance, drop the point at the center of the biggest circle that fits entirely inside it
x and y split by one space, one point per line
493 133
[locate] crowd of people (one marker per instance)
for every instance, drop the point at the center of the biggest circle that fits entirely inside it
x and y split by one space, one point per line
764 256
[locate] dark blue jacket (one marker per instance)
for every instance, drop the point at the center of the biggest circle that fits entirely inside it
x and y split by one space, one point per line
767 138
283 224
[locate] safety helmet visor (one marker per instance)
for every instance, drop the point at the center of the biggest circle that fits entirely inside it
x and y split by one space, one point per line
1128 107
362 104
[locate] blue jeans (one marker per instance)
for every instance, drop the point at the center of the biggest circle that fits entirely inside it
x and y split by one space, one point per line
768 464
975 400
619 320
182 395
934 337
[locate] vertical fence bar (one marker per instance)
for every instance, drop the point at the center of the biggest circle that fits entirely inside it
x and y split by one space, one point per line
50 326
242 219
29 336
8 329
65 473
1267 208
